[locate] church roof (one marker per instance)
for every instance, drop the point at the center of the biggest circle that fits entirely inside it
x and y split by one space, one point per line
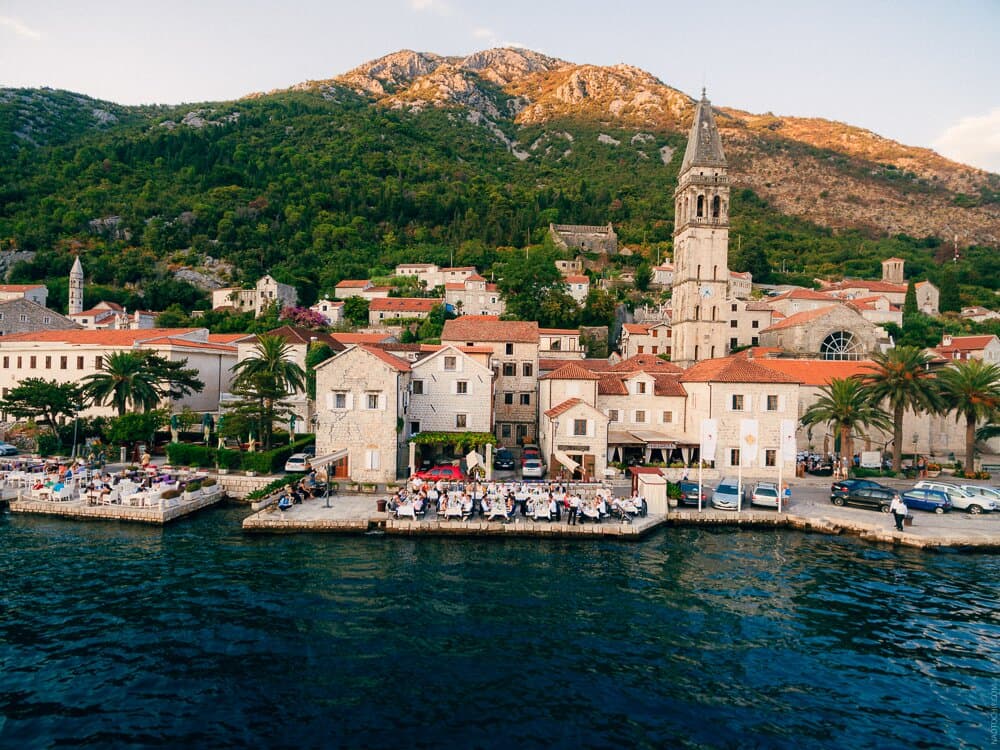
704 147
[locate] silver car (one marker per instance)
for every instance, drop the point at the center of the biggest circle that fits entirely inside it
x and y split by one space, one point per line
989 494
961 498
532 468
765 494
726 495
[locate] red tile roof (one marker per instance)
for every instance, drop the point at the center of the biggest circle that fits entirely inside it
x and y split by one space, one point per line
612 385
565 406
650 363
458 268
404 304
224 338
107 337
549 364
636 328
818 372
354 284
871 286
188 344
571 371
733 370
575 279
559 331
966 343
475 277
798 319
394 362
19 287
489 328
805 294
455 286
668 385
360 338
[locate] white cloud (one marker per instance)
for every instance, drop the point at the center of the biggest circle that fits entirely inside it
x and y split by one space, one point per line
483 33
973 140
440 7
19 28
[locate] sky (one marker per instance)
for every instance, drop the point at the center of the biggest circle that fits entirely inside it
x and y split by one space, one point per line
922 72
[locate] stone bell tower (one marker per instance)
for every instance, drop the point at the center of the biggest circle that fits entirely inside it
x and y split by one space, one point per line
76 288
700 319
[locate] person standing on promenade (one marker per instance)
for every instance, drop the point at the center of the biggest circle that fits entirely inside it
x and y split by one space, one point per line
898 510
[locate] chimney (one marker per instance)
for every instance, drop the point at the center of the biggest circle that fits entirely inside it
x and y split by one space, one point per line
946 340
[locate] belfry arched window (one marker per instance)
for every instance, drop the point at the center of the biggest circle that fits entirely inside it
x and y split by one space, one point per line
716 204
701 205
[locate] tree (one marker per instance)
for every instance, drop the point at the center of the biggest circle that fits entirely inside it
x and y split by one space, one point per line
643 276
318 353
600 308
525 282
948 299
971 388
846 405
356 310
135 427
752 258
910 301
264 380
139 380
902 378
35 397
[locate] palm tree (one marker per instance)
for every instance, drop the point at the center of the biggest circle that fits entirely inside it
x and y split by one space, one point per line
268 377
139 380
846 405
901 377
971 388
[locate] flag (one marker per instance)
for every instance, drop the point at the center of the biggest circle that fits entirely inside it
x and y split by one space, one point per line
749 442
709 439
788 447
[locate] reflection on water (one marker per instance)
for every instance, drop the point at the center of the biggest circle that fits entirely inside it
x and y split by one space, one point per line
196 635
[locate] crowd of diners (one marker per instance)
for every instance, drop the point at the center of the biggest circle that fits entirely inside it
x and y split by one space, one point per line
511 501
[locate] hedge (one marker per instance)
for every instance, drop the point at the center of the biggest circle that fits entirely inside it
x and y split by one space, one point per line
188 454
262 462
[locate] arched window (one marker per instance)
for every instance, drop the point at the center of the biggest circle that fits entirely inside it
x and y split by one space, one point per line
714 309
696 352
698 276
685 215
716 204
841 345
701 205
715 273
697 311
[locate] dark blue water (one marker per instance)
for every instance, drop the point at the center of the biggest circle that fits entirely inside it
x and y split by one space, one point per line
197 636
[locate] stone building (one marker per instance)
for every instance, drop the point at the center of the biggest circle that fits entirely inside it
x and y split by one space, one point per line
590 239
266 292
390 310
21 315
473 296
701 245
640 338
37 293
833 332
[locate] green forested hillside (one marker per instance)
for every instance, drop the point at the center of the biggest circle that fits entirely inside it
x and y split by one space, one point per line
315 187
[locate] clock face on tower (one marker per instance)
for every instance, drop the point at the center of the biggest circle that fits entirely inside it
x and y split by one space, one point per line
706 291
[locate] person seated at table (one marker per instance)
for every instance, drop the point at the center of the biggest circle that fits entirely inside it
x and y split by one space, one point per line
467 507
419 505
286 501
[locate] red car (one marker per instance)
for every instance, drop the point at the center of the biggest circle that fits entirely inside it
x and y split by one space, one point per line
530 451
446 472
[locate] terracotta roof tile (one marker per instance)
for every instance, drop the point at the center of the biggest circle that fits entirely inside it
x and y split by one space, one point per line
360 338
559 331
489 328
575 279
804 294
19 287
394 362
404 304
798 319
733 370
97 338
817 372
354 284
565 406
188 344
298 335
549 364
571 371
650 363
611 385
224 338
637 329
668 385
967 343
871 286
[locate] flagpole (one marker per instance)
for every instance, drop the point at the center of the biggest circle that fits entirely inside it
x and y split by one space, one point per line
781 462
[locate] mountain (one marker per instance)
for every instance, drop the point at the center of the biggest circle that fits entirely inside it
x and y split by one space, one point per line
415 154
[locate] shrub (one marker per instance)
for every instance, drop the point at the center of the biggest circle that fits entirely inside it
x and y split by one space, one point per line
272 487
228 459
208 482
187 454
171 494
192 487
269 462
48 444
860 472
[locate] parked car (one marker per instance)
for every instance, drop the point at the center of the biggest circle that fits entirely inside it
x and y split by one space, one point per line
989 494
530 450
935 501
764 494
444 472
532 468
6 449
961 497
503 459
689 493
310 450
297 462
727 495
873 498
843 486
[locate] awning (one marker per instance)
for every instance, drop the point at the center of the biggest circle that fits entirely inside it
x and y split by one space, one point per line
566 461
472 460
655 439
618 437
328 458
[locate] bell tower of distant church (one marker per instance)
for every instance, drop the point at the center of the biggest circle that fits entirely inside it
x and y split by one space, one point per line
76 288
701 245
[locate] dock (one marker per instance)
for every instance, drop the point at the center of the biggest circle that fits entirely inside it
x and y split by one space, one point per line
82 510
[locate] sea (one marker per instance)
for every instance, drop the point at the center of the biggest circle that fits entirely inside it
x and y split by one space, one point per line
198 636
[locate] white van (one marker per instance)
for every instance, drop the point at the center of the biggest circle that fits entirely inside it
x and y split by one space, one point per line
961 498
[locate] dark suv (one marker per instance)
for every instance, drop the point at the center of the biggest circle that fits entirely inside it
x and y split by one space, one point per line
503 459
873 498
843 487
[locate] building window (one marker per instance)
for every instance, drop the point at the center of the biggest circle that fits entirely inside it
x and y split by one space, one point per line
555 345
737 402
46 320
612 415
641 349
6 363
340 400
418 387
668 417
63 364
460 420
19 365
372 400
754 341
772 403
522 432
579 426
509 369
48 363
1 316
505 431
655 333
99 362
770 457
525 399
526 369
640 387
640 417
734 456
733 342
509 348
79 363
733 324
23 318
735 307
508 398
450 363
414 428
32 362
755 324
462 387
